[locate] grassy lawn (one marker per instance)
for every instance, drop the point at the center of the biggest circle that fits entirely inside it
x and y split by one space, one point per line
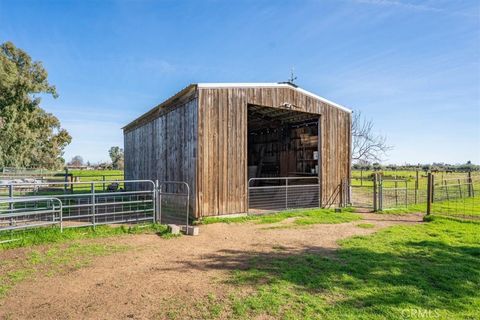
30 237
428 271
97 173
301 217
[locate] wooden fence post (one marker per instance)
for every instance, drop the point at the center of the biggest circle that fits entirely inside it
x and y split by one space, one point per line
416 187
460 189
65 186
469 184
429 193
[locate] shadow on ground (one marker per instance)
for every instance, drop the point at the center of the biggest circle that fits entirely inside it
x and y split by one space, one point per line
365 277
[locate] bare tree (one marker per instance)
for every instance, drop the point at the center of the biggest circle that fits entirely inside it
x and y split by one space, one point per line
367 146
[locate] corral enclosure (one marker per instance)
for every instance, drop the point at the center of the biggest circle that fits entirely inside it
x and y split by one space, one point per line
216 137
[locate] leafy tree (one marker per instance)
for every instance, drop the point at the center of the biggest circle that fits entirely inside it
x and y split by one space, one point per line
116 154
29 136
77 161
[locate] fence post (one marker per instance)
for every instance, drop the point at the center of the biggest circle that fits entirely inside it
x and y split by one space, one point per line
319 193
61 215
10 195
11 205
158 204
286 193
416 186
469 184
92 191
460 189
380 205
65 186
103 184
188 204
429 193
396 192
444 182
375 195
433 188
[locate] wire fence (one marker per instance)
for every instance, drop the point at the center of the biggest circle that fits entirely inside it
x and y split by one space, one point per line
362 196
282 193
453 194
456 197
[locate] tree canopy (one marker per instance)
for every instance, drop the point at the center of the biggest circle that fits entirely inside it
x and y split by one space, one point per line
29 136
76 161
116 154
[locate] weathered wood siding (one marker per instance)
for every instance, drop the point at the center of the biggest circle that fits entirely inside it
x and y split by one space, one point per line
221 181
164 148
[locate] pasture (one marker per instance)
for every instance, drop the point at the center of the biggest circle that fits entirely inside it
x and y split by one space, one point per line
363 266
296 264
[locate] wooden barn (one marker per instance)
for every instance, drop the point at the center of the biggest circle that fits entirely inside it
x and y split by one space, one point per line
217 136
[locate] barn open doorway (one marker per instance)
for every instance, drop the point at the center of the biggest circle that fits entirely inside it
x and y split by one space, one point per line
282 143
283 158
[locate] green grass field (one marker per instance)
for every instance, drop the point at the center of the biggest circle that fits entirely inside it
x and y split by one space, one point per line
428 271
96 173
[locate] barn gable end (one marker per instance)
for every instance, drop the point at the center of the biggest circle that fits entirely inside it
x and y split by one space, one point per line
201 136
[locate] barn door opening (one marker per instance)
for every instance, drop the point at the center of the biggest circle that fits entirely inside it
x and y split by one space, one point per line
283 156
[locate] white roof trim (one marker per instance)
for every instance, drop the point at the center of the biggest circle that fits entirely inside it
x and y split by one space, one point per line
271 85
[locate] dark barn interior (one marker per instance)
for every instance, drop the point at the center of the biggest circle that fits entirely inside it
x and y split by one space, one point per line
282 142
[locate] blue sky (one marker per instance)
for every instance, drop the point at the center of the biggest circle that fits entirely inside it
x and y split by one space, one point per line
413 67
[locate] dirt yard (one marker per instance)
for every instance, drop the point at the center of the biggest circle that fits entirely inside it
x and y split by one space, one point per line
154 275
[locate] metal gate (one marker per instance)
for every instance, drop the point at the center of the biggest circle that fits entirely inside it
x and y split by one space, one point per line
283 193
92 203
22 213
173 202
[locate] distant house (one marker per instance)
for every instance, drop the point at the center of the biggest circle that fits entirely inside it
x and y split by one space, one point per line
216 136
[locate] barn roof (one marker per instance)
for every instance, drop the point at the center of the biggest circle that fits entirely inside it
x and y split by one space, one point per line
178 97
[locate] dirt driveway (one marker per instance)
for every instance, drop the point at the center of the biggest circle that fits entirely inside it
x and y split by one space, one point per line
154 273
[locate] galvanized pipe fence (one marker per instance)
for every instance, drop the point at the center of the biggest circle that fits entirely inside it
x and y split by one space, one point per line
44 211
283 193
89 203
